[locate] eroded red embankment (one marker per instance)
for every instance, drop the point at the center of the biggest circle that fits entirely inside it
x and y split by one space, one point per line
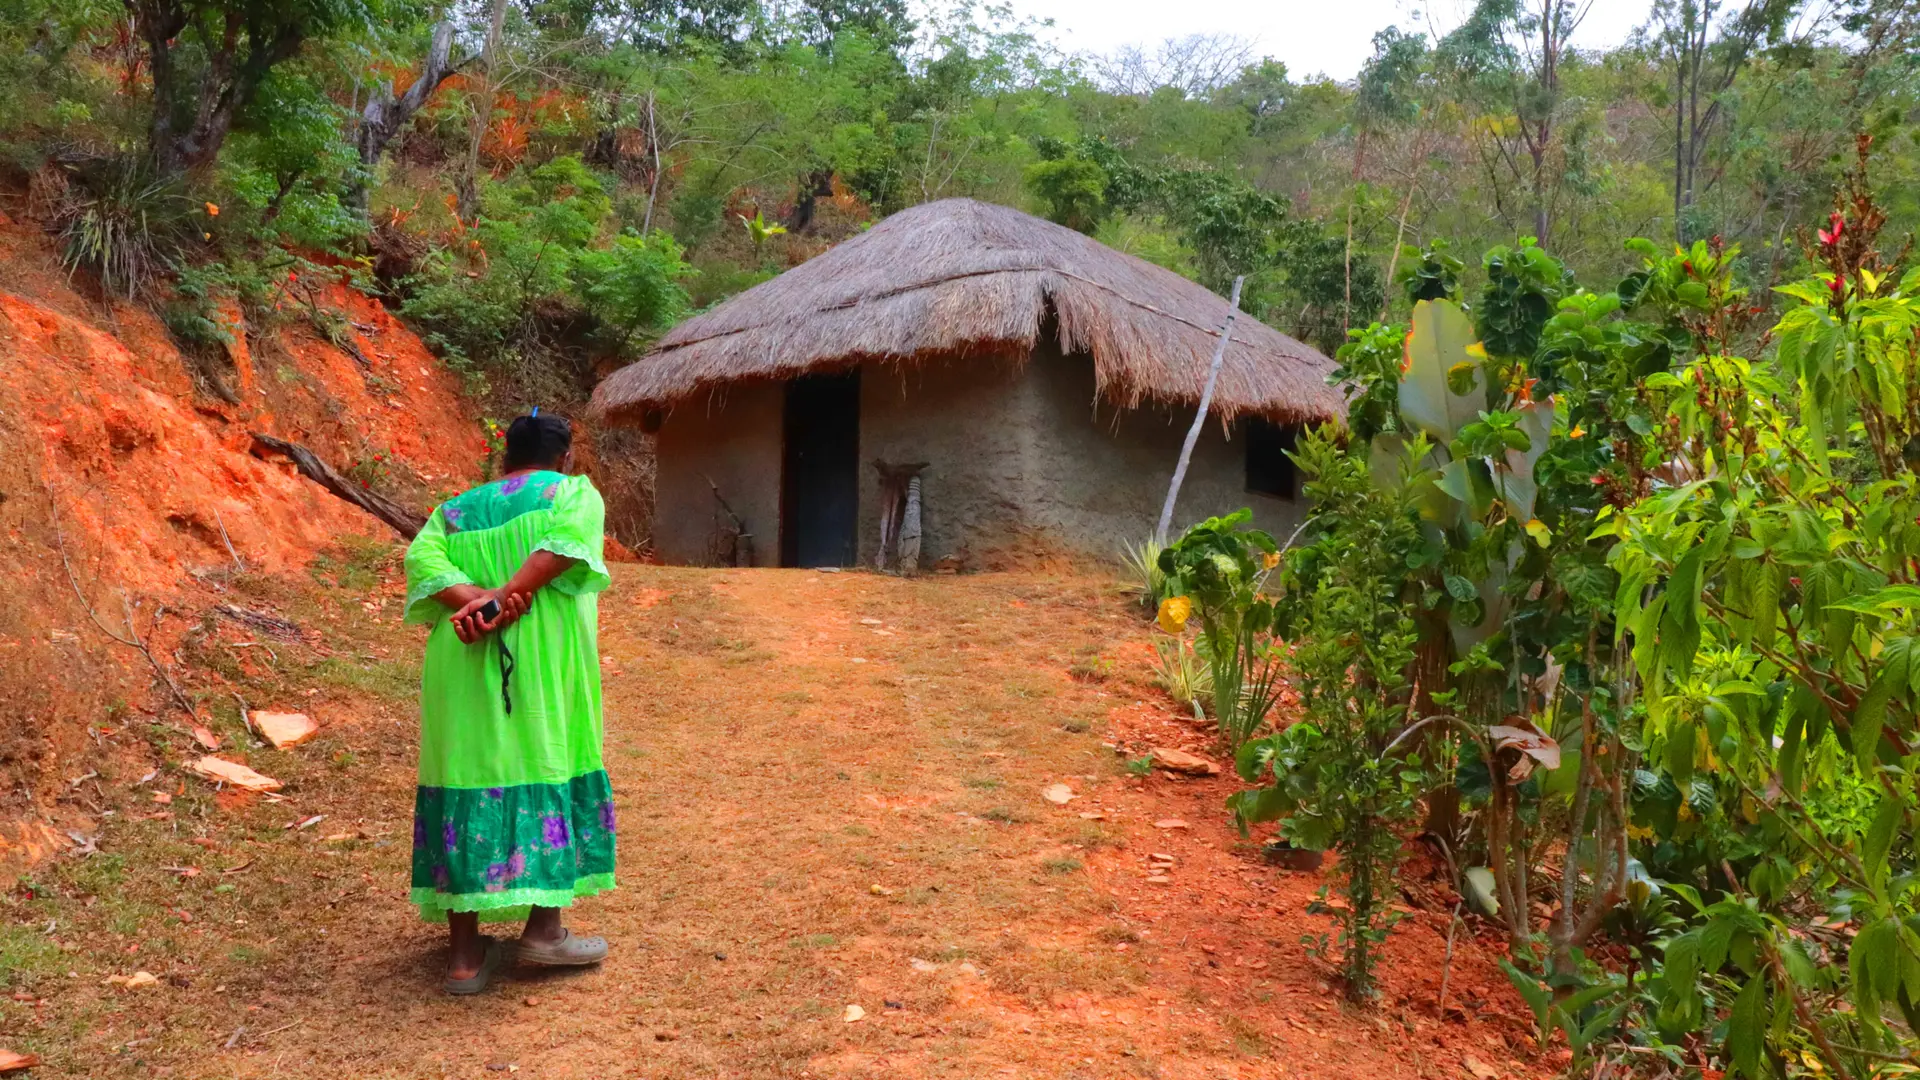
121 465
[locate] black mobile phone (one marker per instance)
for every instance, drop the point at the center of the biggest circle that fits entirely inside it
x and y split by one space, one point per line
489 611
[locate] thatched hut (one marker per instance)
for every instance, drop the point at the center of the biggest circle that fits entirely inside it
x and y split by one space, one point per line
1045 381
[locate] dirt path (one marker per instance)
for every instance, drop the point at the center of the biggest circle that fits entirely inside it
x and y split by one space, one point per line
830 795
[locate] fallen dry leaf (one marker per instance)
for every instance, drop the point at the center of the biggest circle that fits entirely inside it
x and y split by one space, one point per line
134 981
1533 744
12 1062
1171 823
1057 794
855 1014
1480 1069
207 739
220 770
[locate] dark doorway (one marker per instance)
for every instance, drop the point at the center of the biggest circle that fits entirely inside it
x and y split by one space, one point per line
820 471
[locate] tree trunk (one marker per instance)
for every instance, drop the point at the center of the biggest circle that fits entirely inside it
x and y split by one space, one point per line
813 184
469 187
385 115
402 520
191 120
653 148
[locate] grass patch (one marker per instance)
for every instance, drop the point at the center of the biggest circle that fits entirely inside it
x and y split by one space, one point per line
1094 670
354 563
382 678
26 954
1062 866
1247 1038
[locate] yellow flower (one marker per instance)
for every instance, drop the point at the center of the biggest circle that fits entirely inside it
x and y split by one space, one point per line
1174 612
1577 432
1270 560
213 210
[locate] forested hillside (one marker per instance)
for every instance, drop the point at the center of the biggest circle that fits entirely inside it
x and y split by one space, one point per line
543 186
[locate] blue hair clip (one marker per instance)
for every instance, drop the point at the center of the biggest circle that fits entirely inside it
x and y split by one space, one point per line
535 412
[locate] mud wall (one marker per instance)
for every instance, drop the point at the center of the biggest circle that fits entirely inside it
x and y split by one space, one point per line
1017 455
733 438
1023 453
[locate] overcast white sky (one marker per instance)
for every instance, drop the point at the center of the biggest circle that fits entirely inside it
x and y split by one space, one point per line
1332 37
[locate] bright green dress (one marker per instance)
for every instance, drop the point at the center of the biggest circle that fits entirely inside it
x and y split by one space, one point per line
513 807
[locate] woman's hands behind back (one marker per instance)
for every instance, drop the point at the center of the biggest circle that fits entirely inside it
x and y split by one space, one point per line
471 627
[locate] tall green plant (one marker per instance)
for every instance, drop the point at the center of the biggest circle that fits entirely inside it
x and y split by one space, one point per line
1216 571
1771 598
1340 777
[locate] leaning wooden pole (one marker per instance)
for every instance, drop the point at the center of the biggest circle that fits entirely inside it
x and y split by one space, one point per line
1199 417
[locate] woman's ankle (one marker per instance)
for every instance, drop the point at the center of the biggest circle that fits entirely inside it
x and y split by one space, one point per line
543 924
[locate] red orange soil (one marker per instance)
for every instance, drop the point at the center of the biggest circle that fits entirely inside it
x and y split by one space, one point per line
116 465
830 795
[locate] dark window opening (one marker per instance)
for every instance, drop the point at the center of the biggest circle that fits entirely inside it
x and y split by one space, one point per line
1270 469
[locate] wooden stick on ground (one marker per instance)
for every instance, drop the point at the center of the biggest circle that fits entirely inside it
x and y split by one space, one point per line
402 520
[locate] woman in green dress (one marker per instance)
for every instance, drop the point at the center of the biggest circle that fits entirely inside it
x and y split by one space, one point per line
513 816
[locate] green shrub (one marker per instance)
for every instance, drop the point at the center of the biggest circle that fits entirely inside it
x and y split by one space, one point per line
534 264
1339 777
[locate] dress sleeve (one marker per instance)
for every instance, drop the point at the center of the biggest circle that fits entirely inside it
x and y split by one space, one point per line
579 516
429 570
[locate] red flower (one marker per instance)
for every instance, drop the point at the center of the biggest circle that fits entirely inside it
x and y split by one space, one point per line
1837 225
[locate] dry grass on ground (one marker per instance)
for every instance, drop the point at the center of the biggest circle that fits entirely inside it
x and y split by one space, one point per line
830 795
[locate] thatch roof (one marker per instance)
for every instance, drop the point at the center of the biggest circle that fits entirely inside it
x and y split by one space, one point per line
960 279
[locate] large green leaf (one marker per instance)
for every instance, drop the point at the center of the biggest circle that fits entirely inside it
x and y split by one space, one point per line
1747 1028
1879 838
1390 463
1441 341
1513 475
